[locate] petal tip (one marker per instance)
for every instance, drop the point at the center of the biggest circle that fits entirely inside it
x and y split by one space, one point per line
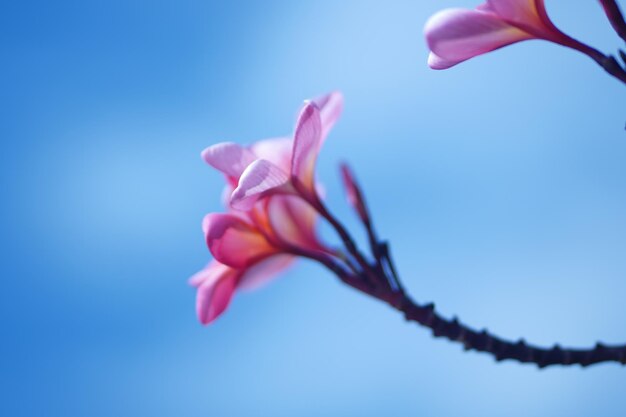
437 63
258 179
240 201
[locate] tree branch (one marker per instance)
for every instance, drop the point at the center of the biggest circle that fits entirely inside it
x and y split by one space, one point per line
381 281
501 349
611 8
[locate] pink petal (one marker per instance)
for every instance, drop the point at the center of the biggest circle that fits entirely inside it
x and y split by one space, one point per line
228 157
199 277
260 178
331 106
261 273
205 223
215 292
276 150
528 15
455 35
293 221
438 63
307 139
513 10
234 242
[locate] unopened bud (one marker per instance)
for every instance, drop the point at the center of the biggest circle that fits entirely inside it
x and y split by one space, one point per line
353 193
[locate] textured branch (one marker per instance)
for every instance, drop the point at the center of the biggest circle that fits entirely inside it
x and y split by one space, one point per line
481 341
502 349
381 281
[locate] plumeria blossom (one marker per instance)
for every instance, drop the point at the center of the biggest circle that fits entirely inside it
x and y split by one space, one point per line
281 165
273 206
455 35
251 248
269 191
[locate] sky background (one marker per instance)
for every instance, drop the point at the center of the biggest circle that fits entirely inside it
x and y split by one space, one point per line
499 183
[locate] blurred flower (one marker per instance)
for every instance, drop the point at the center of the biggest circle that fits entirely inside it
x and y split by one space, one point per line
278 166
251 248
455 35
270 191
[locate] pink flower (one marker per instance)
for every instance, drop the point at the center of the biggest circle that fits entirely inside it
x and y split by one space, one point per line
251 248
455 35
278 166
270 190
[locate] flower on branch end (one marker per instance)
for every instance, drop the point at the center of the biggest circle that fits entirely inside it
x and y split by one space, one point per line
272 211
272 208
456 35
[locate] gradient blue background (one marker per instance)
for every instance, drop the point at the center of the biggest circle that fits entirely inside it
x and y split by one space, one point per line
500 184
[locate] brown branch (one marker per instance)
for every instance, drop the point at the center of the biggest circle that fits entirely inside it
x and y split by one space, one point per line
611 8
501 349
381 281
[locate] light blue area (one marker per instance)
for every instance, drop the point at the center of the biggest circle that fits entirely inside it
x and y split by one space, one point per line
500 185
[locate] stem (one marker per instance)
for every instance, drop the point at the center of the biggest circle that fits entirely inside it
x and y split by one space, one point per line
608 62
392 269
347 278
347 240
482 341
611 8
613 67
502 349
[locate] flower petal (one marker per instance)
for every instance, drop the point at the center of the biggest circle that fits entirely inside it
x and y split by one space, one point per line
199 277
455 35
529 15
276 150
260 178
307 139
229 158
215 292
262 272
293 221
331 106
205 223
234 242
513 10
438 63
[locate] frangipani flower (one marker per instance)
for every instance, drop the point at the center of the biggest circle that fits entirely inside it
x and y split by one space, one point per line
278 166
273 208
251 249
455 35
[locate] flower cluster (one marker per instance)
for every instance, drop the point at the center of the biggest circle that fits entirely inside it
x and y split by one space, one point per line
273 206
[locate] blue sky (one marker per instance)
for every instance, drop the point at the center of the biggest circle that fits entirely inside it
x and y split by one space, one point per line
499 184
